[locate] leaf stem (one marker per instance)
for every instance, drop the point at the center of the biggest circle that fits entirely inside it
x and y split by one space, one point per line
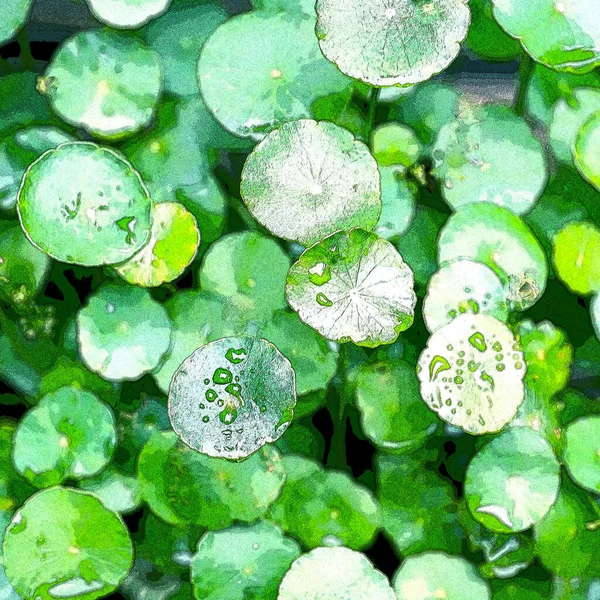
27 59
5 67
525 73
243 213
337 457
372 100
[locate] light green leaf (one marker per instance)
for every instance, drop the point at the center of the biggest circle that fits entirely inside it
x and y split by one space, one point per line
398 203
560 34
463 286
14 16
471 373
439 575
309 179
353 286
232 396
106 82
69 434
122 332
582 454
84 204
494 236
127 14
261 69
120 493
587 148
63 543
489 154
183 486
513 481
334 574
244 561
174 241
393 42
303 7
395 144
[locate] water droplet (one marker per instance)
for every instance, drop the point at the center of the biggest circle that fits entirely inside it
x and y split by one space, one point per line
206 381
320 274
478 341
110 307
235 389
228 414
458 380
205 419
500 367
211 395
222 376
497 347
323 300
472 366
436 366
235 357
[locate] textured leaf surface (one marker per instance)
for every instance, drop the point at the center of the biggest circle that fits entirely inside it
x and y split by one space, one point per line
127 14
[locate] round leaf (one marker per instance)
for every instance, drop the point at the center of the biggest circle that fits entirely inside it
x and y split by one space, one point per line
334 574
398 203
438 575
117 491
310 179
391 42
174 241
127 14
490 155
106 82
84 204
587 148
513 481
232 396
576 256
14 15
122 332
353 286
241 561
183 486
259 70
63 543
494 236
459 286
561 34
471 373
69 434
395 144
582 454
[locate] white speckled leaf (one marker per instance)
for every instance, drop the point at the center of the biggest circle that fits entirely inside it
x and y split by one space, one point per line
232 396
392 42
471 373
353 286
309 179
334 574
127 14
460 286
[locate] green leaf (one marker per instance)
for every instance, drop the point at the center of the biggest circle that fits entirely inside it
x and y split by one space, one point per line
106 82
232 396
183 486
120 493
463 286
595 314
69 434
471 373
323 507
242 562
248 270
576 257
559 34
303 7
260 70
513 481
568 116
197 319
353 286
314 360
567 538
395 144
486 38
64 543
384 44
582 454
122 332
398 203
14 16
489 154
304 439
522 589
127 14
419 507
585 151
439 575
84 204
174 241
178 37
332 574
309 179
393 416
494 236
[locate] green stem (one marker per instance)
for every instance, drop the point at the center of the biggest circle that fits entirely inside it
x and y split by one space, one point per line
243 213
525 73
372 100
337 458
26 57
5 66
